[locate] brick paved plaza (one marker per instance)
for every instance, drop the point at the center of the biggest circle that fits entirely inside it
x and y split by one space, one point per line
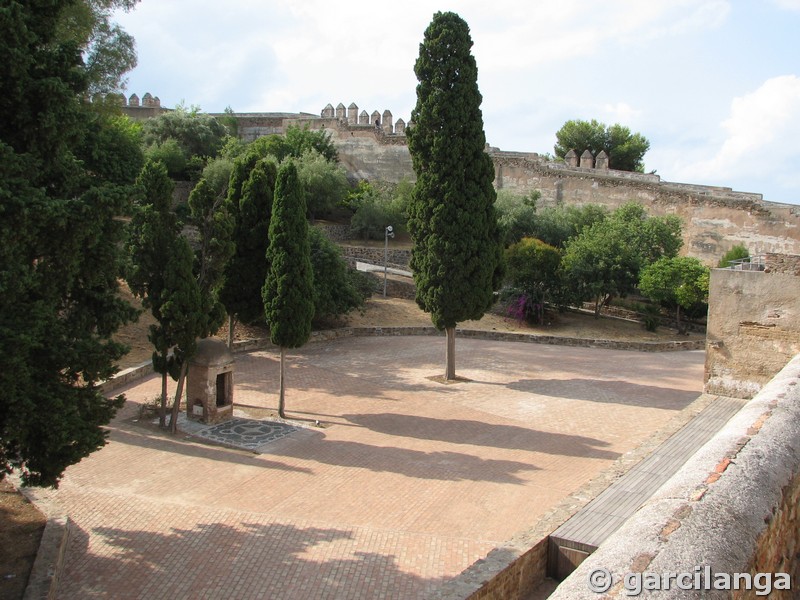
408 482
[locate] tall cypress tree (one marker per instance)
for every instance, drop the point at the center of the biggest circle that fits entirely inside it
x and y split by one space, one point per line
250 204
288 292
457 253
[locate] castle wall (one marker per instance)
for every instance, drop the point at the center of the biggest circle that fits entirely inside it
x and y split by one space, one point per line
753 326
715 218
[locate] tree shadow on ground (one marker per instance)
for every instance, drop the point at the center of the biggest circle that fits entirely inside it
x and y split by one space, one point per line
435 465
249 561
478 433
202 449
608 392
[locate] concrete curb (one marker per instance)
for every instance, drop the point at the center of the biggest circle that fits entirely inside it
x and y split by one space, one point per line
49 563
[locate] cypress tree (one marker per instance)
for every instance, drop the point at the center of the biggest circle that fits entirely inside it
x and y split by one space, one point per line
457 252
288 292
250 204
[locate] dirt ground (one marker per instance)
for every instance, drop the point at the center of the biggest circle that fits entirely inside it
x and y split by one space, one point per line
21 523
397 312
21 526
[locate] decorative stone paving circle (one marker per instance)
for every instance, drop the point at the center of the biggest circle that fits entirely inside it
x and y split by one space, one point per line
246 433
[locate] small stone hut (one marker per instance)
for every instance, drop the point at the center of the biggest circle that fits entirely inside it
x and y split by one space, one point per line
210 382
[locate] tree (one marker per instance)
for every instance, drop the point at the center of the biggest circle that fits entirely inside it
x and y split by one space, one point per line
676 282
337 288
215 247
738 252
324 183
108 51
516 215
187 133
605 259
288 292
625 149
532 268
60 258
295 143
151 245
457 250
250 204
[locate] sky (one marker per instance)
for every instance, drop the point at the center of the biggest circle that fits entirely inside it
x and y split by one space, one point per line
714 85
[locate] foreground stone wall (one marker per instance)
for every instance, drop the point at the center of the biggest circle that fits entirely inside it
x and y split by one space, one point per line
732 506
753 328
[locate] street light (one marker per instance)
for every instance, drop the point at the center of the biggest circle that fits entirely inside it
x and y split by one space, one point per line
388 232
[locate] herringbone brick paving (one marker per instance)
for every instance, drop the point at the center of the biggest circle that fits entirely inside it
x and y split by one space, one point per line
408 483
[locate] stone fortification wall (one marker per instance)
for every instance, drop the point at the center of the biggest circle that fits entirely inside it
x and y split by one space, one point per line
732 506
373 147
715 218
753 327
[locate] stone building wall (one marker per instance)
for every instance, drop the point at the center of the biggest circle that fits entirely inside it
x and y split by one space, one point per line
753 327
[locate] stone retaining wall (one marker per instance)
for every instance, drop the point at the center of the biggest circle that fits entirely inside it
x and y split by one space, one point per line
396 256
732 506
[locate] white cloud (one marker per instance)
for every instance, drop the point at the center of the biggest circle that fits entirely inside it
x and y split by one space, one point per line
759 140
788 4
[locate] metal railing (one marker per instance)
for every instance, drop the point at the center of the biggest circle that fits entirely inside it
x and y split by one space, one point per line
749 263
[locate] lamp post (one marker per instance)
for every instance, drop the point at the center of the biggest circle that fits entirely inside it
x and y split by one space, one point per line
388 232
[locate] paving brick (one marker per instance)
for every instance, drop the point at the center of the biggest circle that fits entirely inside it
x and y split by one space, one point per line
408 483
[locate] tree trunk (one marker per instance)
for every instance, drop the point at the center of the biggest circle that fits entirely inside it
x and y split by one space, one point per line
176 405
281 403
450 354
162 412
231 326
678 319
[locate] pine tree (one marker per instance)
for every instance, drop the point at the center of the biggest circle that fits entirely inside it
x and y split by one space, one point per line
457 252
60 236
288 292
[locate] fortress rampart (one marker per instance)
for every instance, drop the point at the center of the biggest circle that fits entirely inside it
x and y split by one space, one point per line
372 146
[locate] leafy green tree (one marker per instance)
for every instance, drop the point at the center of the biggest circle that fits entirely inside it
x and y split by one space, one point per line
288 292
738 252
324 183
532 268
625 150
605 259
60 238
246 272
108 51
676 282
197 135
170 153
516 215
295 143
337 288
457 251
555 225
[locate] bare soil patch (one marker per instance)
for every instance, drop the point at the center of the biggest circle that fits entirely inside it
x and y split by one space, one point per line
21 527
